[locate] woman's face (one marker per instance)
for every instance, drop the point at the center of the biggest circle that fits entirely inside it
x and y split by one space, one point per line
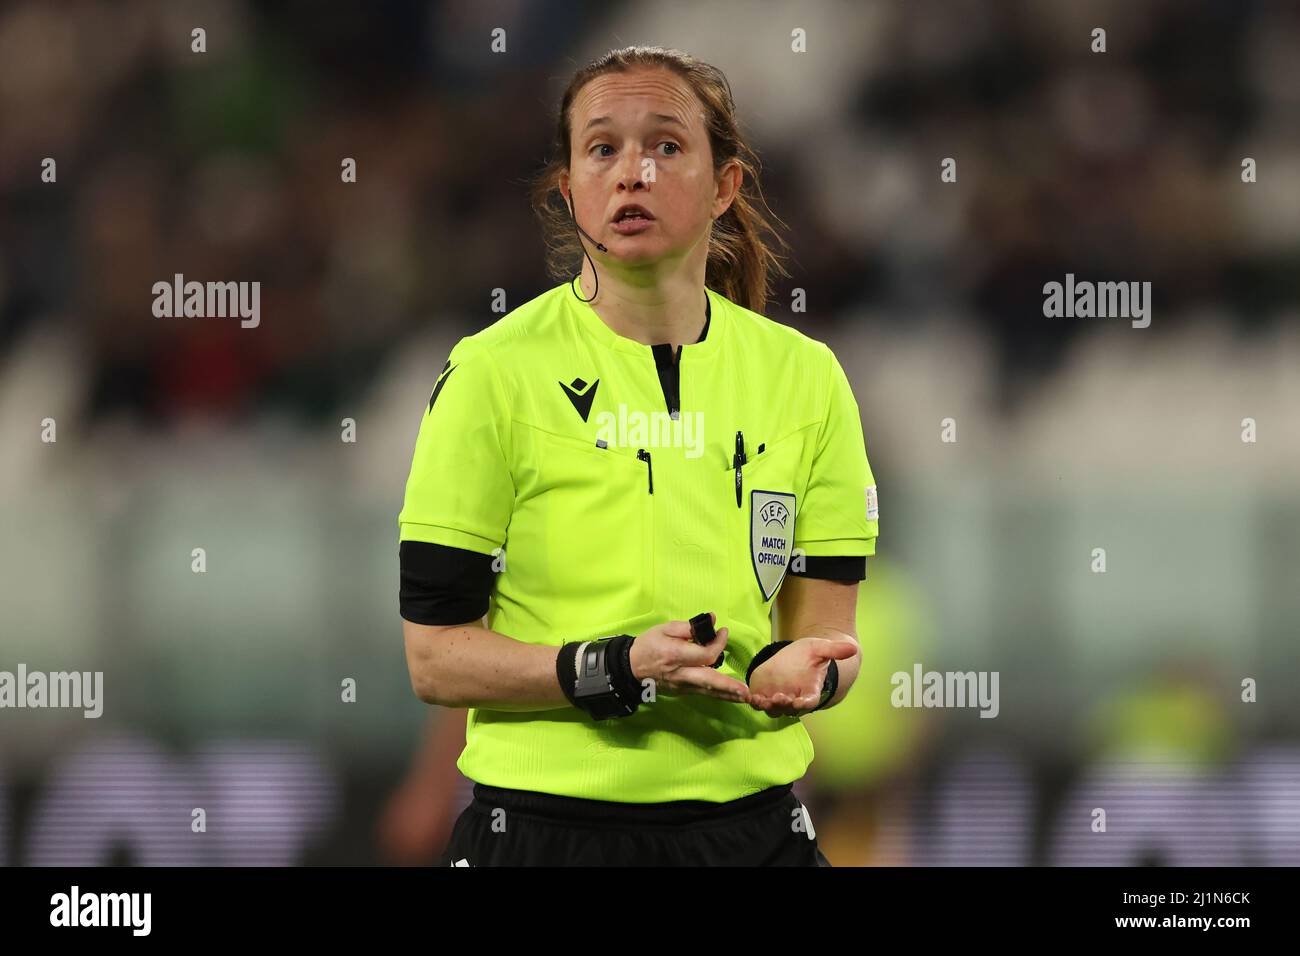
639 137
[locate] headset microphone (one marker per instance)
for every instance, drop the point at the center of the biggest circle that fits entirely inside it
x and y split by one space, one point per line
587 234
585 253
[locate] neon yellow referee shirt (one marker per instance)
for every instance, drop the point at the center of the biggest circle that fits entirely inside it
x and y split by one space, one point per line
602 476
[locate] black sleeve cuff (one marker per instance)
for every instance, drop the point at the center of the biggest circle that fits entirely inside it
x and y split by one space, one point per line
834 568
443 585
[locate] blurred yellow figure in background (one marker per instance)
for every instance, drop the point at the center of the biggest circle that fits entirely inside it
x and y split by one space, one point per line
865 746
1174 714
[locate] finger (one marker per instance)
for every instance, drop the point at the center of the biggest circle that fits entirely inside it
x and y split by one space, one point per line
681 629
707 653
731 696
719 641
706 678
795 709
836 650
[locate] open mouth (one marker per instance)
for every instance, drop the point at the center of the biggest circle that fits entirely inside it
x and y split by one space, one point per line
633 214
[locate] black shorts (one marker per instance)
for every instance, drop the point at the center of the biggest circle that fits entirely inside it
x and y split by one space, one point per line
504 827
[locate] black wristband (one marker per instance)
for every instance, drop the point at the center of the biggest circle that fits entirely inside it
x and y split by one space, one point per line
763 655
566 669
619 693
620 670
830 684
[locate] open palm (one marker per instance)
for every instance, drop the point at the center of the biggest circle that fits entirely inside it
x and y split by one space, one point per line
789 683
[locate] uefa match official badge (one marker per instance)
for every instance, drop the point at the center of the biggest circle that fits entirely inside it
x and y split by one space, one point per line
771 537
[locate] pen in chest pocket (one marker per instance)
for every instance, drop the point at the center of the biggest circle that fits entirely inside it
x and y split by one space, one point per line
737 460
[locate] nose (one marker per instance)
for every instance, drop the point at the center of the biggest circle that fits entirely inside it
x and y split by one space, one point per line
632 176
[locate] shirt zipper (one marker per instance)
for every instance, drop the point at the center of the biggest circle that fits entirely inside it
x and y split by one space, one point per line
668 365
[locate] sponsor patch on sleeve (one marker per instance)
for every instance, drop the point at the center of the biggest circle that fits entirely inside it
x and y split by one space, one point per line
873 505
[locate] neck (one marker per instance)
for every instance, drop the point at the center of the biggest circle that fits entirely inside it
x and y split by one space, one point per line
650 309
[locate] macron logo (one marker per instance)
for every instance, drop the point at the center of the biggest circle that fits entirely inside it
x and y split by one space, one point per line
581 403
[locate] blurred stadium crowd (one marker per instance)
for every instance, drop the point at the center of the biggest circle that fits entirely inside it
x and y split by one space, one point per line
226 164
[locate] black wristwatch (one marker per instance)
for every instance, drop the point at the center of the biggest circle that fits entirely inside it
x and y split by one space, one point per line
597 677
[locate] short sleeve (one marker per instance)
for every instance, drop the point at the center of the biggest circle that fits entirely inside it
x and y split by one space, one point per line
839 516
460 492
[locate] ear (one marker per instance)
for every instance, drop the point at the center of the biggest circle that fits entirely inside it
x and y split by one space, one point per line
729 180
564 187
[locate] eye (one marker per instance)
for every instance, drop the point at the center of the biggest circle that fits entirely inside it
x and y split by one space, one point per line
676 149
602 146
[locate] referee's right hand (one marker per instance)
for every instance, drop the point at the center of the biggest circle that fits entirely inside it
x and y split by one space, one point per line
667 655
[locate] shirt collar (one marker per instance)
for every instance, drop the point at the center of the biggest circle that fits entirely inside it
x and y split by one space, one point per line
708 344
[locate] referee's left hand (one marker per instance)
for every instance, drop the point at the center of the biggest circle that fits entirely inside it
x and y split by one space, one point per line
789 683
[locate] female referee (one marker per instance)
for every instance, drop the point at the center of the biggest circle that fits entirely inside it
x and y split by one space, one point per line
630 450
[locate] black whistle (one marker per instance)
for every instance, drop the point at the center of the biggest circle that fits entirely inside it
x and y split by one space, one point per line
702 633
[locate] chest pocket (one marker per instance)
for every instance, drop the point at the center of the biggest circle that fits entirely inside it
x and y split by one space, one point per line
586 519
772 486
